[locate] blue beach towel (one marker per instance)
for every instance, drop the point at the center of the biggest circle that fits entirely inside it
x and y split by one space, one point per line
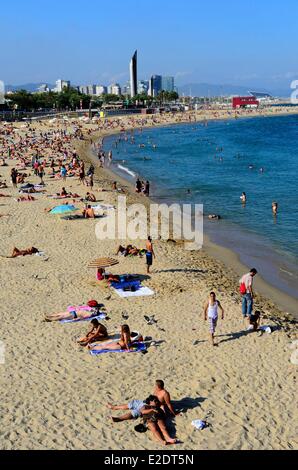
124 285
138 347
102 316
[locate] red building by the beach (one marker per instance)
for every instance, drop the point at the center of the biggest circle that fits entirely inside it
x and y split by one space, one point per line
245 102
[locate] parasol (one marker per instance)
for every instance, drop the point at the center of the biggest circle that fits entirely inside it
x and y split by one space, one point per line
103 263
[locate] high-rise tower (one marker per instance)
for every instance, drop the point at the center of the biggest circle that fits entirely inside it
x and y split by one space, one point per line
134 75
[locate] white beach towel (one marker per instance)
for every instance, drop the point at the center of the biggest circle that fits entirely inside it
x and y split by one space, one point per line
142 292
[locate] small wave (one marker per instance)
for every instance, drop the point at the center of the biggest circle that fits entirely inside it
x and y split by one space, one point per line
129 172
285 271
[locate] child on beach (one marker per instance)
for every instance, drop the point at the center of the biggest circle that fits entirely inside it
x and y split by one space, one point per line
211 312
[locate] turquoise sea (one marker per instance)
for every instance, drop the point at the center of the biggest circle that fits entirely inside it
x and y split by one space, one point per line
217 162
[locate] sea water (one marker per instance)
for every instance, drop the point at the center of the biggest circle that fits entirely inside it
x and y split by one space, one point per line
212 164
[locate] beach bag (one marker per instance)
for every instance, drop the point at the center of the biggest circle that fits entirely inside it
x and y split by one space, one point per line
242 288
141 428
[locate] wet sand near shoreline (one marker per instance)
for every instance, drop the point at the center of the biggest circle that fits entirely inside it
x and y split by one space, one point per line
54 394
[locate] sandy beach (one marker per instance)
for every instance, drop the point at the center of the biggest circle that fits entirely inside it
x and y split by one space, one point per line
54 393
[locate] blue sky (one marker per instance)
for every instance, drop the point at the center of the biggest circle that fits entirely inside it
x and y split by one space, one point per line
243 42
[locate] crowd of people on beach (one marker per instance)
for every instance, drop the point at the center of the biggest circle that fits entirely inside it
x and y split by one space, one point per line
48 155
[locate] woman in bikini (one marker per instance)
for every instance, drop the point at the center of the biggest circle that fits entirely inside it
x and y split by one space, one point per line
125 343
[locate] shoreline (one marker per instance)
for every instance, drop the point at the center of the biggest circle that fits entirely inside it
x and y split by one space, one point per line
227 256
45 365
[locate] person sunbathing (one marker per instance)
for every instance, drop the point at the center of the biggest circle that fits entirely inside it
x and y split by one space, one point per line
4 195
30 251
156 422
164 397
89 213
124 344
21 179
26 199
151 413
97 333
90 197
75 314
129 251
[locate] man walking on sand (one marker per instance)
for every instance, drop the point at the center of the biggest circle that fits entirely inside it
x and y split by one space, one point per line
149 254
246 290
211 311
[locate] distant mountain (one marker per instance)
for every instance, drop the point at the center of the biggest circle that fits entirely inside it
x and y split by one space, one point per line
207 89
31 87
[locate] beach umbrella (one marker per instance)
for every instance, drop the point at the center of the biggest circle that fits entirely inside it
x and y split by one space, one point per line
63 209
103 263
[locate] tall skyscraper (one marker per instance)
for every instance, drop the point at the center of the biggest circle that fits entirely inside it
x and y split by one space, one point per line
134 75
155 85
168 84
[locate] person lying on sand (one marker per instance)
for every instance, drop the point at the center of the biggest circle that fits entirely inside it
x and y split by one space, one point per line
75 314
125 343
152 414
30 251
97 333
4 195
129 251
26 199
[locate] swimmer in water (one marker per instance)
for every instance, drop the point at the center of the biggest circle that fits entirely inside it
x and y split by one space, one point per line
274 208
243 198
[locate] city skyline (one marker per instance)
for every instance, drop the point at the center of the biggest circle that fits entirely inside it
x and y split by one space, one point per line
219 42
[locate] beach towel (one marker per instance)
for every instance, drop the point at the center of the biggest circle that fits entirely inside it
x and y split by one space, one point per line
124 284
142 292
101 316
138 347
